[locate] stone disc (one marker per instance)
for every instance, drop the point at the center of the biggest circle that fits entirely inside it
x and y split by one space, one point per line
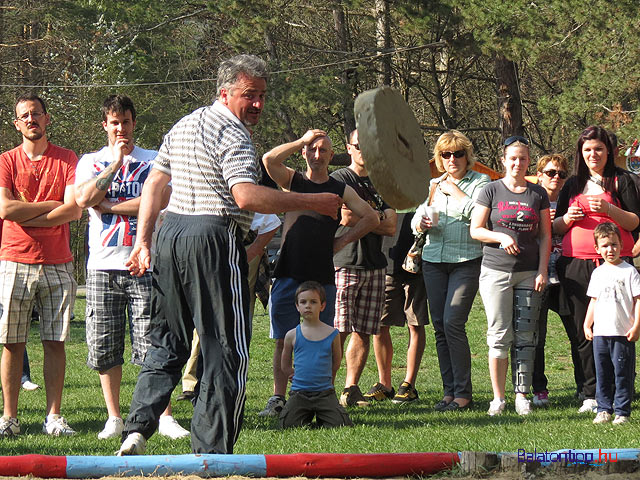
392 147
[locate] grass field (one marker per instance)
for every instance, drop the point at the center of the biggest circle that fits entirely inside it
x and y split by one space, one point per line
383 427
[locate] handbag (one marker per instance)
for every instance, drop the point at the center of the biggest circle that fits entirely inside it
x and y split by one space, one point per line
413 261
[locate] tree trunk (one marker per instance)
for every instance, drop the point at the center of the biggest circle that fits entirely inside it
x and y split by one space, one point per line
383 40
345 79
509 102
281 111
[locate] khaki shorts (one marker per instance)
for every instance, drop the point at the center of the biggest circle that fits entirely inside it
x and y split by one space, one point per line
50 288
405 301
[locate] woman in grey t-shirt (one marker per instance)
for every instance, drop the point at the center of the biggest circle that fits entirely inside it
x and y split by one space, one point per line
512 219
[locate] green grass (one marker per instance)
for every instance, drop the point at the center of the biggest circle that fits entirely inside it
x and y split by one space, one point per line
383 427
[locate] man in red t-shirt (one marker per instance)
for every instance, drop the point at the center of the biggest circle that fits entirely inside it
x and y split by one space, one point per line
37 202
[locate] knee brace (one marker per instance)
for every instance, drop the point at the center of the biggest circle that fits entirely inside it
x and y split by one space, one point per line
526 311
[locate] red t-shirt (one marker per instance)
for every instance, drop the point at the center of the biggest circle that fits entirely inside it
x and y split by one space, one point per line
45 179
578 242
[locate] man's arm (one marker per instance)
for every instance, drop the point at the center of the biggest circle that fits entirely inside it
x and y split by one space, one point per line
387 226
257 198
129 207
93 191
256 249
19 211
274 159
60 215
368 221
151 202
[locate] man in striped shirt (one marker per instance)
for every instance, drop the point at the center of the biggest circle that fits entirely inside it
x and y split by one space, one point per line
200 271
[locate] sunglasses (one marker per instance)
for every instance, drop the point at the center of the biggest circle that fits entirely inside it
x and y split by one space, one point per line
457 154
355 145
514 139
552 173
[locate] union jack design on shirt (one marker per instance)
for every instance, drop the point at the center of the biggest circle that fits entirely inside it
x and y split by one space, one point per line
120 230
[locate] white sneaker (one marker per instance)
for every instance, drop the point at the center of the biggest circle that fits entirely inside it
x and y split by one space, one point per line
523 405
169 427
589 405
274 406
620 419
9 427
134 444
602 417
496 407
112 428
55 425
541 399
29 385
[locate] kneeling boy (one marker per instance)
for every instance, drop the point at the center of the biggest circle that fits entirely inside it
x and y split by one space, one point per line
317 354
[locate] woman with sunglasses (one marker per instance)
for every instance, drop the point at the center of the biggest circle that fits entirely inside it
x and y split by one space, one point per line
597 192
451 262
552 172
512 219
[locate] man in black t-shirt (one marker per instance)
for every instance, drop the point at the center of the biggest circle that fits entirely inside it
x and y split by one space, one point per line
360 274
308 242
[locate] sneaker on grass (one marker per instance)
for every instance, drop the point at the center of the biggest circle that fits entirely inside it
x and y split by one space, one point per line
379 392
30 386
169 427
541 399
620 419
9 427
523 405
352 397
113 427
589 405
602 417
56 426
274 406
406 394
134 444
496 407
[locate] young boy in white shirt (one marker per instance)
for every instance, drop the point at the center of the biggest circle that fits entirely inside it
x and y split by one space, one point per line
613 323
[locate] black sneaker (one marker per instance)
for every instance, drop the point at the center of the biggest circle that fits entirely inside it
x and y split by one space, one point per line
379 392
406 393
352 397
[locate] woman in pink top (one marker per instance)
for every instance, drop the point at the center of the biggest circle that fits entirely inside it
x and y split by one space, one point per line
598 192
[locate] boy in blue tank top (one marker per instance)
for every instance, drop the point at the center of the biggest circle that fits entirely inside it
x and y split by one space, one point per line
316 351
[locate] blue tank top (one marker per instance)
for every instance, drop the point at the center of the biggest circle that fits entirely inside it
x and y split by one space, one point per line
312 363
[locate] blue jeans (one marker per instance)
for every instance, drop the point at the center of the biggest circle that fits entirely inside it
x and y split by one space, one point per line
451 289
614 358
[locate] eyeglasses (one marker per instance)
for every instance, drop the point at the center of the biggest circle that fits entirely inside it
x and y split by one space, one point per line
514 139
25 117
457 154
355 145
552 173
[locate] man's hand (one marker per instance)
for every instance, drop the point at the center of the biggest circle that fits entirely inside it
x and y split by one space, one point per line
311 135
139 260
633 334
326 204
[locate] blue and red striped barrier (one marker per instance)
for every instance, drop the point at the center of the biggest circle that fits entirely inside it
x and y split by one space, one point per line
211 465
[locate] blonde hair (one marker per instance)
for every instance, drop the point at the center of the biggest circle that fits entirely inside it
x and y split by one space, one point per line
451 141
553 158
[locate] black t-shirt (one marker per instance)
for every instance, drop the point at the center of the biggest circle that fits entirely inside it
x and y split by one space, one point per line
366 253
307 249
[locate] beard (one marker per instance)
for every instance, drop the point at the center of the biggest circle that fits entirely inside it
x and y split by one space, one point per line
33 135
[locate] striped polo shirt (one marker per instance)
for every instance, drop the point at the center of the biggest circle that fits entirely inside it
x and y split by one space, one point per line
206 153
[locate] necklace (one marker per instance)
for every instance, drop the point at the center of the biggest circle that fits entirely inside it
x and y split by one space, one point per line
36 173
596 180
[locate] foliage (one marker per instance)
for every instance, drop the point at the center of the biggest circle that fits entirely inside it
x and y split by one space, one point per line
575 66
